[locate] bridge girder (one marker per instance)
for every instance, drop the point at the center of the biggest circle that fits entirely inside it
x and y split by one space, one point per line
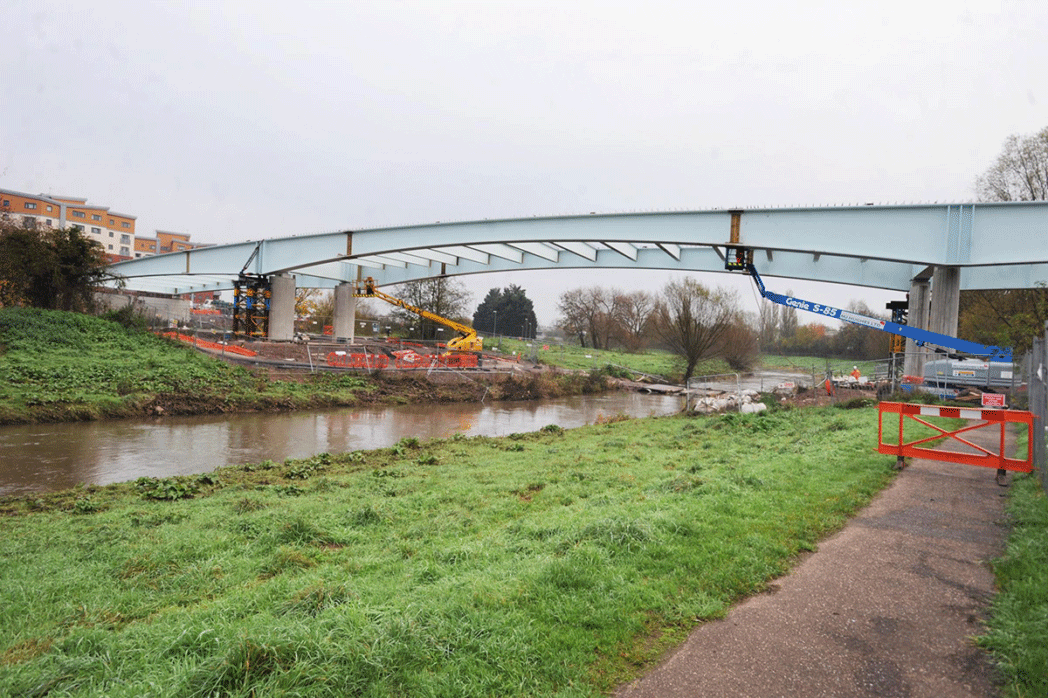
997 245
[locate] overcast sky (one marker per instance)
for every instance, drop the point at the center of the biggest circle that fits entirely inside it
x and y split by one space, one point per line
242 120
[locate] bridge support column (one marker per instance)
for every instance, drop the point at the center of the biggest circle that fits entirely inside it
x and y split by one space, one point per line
937 311
344 320
946 300
282 308
917 316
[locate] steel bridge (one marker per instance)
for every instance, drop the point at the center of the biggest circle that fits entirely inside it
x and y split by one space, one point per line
898 247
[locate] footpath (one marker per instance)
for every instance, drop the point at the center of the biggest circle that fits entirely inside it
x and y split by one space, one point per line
886 608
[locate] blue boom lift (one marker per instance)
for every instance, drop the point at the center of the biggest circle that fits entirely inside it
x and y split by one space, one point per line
741 259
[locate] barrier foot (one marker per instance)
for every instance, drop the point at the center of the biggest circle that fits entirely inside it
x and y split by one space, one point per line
900 463
1002 477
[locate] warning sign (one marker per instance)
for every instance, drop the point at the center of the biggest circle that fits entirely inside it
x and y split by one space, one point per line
993 400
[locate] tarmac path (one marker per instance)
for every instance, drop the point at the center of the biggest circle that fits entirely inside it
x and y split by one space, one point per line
887 607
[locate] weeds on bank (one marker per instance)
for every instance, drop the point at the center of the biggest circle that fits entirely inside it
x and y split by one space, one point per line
62 366
1018 626
458 567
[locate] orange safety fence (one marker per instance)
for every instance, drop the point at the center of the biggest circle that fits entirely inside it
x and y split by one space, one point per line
204 344
976 455
407 361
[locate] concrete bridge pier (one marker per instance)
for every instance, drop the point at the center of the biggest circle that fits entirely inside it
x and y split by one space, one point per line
282 308
344 320
935 308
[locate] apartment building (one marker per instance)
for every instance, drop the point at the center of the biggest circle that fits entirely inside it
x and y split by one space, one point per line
114 231
164 242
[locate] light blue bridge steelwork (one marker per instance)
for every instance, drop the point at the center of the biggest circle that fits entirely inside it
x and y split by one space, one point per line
901 247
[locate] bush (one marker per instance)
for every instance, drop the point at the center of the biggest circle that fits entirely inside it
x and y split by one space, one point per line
127 317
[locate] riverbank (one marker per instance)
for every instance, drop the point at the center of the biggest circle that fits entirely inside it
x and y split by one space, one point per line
555 563
58 367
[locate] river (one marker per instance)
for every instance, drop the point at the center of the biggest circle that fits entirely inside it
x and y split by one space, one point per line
48 457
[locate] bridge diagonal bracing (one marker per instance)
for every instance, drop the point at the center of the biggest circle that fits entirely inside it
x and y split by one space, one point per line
996 246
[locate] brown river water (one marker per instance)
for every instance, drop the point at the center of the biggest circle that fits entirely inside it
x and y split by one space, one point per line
48 457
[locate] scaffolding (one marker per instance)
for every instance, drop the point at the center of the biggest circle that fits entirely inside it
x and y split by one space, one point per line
251 300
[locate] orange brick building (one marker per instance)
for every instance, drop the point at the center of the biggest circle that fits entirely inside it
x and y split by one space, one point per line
164 242
114 231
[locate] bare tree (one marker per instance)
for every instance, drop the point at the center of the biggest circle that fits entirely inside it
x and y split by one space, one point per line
1021 170
692 320
631 313
740 345
768 321
587 312
1010 317
442 296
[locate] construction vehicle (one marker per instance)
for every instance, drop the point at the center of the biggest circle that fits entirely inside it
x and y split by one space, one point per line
741 259
467 341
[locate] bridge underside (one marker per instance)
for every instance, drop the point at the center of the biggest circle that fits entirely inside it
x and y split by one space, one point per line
995 245
959 246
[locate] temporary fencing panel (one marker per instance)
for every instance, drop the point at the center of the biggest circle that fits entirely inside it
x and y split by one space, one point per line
214 346
975 455
408 360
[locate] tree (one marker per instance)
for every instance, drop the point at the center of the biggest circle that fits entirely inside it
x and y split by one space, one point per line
1010 318
508 311
631 313
858 342
740 345
787 321
56 269
1020 172
587 312
693 320
807 340
768 320
442 296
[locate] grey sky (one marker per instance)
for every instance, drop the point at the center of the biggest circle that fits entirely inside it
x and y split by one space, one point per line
240 120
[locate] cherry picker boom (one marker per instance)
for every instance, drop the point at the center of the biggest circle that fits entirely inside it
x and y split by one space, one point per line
467 341
741 259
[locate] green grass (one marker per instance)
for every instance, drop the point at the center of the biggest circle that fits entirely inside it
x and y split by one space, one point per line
560 563
1018 627
658 363
57 366
68 366
806 363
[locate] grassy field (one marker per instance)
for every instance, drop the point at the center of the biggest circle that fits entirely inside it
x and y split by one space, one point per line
807 363
653 362
658 363
548 564
57 366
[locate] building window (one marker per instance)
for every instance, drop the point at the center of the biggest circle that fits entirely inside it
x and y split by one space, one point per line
29 205
110 247
96 231
78 214
7 202
125 239
29 221
125 224
78 227
152 247
124 252
96 217
110 233
47 222
50 208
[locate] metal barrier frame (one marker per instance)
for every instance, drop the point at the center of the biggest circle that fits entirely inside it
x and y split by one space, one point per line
985 458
